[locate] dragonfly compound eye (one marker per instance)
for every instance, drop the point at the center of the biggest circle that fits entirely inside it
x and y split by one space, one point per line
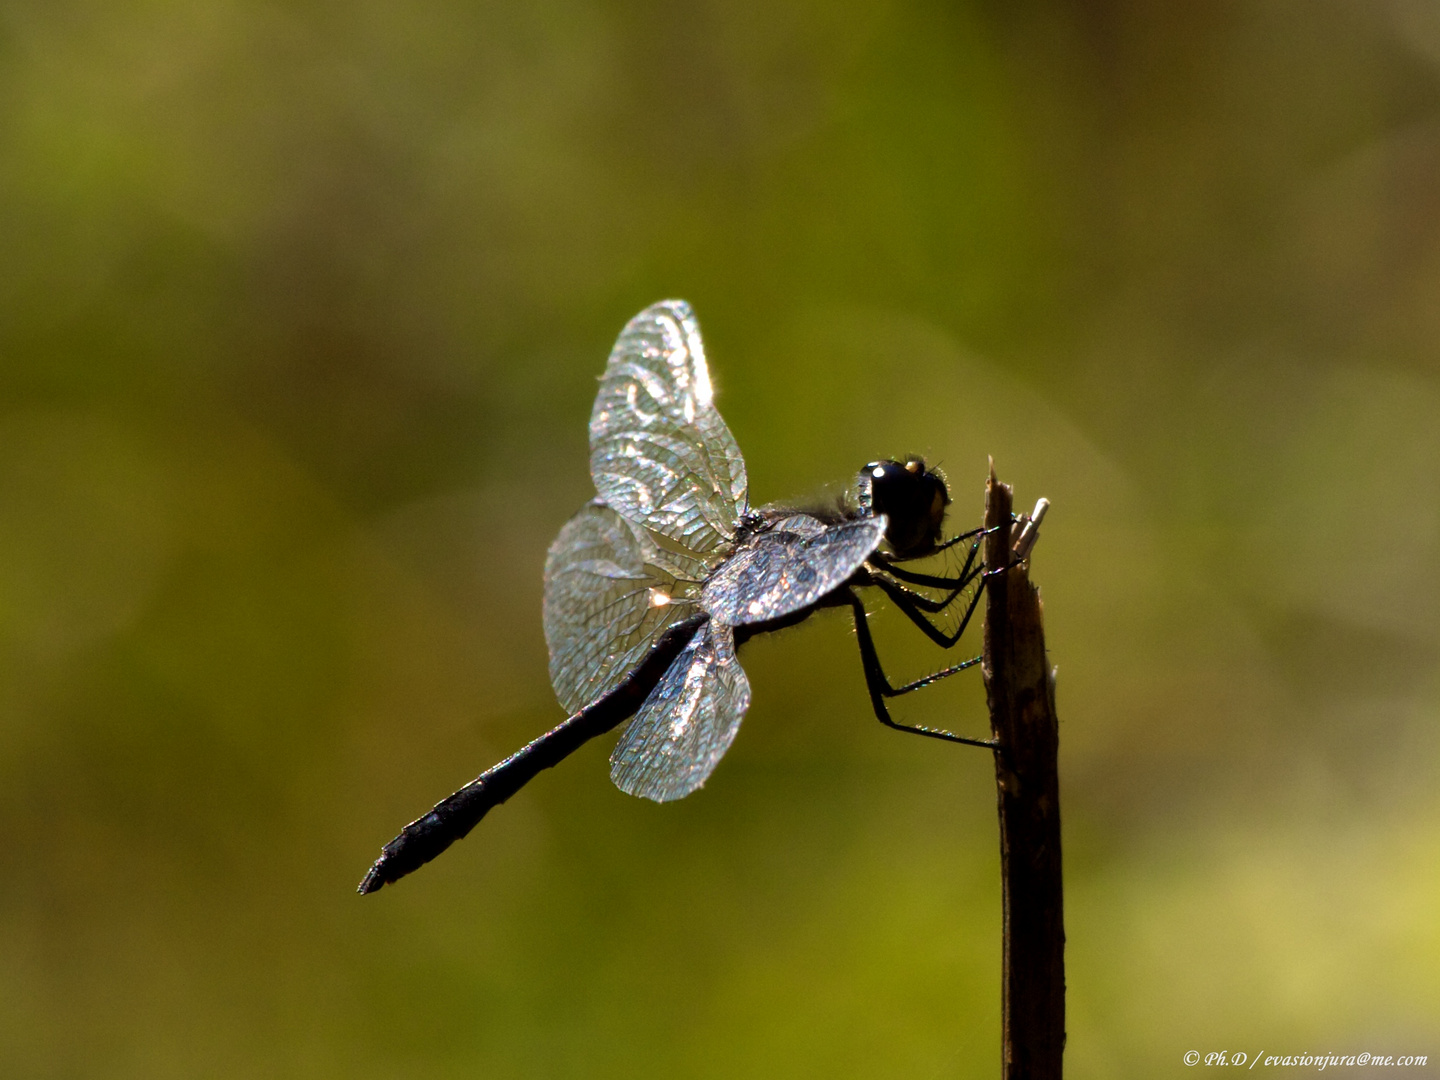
913 498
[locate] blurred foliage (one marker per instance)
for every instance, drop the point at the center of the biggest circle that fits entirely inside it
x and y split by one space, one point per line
301 308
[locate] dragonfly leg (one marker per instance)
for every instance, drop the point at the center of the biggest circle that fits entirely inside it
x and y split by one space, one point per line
914 606
880 688
943 545
934 581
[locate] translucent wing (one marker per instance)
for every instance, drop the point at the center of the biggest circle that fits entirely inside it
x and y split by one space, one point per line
788 566
610 591
659 452
687 723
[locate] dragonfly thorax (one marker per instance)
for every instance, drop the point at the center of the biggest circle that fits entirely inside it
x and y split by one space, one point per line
912 496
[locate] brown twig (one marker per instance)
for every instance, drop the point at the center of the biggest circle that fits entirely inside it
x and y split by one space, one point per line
1020 692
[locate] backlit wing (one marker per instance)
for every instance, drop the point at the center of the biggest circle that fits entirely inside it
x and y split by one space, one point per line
687 723
610 591
659 452
788 567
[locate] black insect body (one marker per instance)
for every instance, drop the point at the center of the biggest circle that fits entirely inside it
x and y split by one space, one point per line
653 585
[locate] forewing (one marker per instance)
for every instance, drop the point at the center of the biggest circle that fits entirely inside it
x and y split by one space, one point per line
788 567
687 723
610 591
659 452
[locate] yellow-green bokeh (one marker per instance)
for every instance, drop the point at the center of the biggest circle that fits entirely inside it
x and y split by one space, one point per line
301 310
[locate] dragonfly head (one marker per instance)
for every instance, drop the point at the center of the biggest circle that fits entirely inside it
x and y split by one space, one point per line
912 496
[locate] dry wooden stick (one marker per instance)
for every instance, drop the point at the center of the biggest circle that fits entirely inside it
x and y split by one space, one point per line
1020 690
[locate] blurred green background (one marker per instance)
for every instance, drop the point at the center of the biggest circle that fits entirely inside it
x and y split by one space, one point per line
301 311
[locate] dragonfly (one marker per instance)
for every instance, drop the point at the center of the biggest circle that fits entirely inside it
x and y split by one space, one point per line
653 586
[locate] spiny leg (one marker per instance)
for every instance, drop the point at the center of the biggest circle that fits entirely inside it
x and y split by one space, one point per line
919 600
968 573
912 605
935 581
916 600
880 688
942 546
939 581
946 545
